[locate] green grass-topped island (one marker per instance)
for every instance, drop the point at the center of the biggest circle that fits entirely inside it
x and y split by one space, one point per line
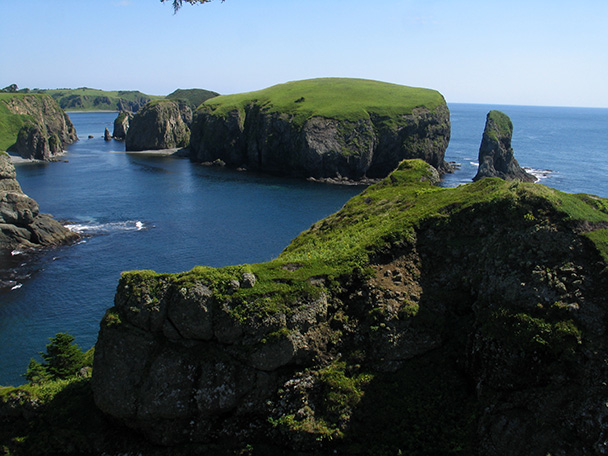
328 128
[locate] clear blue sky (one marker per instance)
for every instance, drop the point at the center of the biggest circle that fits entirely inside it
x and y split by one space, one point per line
531 52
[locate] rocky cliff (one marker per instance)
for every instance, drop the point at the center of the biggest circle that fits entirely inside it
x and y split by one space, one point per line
21 223
496 157
121 125
161 124
41 129
324 128
417 319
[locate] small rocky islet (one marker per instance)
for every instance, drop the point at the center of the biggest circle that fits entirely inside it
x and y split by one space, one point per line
417 319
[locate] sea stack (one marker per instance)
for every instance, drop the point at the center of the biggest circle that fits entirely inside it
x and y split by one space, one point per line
161 124
496 154
121 125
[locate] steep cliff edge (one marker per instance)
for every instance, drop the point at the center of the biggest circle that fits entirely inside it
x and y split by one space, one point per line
161 124
469 320
34 126
324 128
496 157
21 223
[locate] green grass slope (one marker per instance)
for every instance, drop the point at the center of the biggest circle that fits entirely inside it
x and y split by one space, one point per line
386 212
193 97
336 98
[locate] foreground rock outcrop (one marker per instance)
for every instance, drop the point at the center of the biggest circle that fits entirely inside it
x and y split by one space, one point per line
417 319
324 128
43 128
161 124
21 223
496 157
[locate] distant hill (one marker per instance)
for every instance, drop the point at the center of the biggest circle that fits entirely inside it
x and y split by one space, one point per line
86 99
193 97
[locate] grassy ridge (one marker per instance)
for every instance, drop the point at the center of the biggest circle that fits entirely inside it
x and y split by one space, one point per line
336 98
390 210
86 99
193 97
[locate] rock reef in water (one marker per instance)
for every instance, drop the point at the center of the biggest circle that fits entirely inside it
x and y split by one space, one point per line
21 223
161 124
324 128
415 317
496 157
44 129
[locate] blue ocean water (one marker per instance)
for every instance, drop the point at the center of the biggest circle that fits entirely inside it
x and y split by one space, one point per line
167 214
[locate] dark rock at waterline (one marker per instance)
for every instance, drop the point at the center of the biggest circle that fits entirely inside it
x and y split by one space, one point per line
496 157
21 223
106 135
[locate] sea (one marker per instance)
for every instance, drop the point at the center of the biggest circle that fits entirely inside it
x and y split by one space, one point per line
167 214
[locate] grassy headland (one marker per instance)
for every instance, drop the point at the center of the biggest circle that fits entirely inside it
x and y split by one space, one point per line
335 98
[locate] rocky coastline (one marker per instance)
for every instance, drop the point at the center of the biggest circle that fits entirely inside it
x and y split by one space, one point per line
487 297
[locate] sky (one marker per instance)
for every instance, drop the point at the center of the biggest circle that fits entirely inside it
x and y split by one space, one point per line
518 52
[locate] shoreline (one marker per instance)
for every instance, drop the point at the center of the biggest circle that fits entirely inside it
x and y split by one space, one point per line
17 159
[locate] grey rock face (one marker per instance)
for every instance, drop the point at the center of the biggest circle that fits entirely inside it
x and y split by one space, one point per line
321 148
21 224
162 124
496 154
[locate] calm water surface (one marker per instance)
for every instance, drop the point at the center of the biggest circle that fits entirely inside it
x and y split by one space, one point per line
170 215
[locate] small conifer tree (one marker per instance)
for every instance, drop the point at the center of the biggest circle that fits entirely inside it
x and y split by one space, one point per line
36 373
63 358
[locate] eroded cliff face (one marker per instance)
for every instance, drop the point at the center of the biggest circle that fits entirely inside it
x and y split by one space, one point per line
121 125
47 128
21 223
496 157
322 148
161 124
415 317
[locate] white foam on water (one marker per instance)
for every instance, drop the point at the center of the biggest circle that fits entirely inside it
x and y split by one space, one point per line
16 287
105 228
539 173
